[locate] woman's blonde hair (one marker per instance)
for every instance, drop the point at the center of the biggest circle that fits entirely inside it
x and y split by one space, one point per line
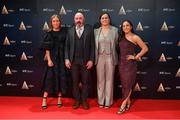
50 22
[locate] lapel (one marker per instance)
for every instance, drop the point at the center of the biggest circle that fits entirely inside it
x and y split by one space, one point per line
84 34
111 33
97 36
72 33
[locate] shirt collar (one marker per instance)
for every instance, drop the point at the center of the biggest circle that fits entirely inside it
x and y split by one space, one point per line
82 27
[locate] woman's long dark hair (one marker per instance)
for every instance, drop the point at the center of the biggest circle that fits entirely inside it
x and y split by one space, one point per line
122 32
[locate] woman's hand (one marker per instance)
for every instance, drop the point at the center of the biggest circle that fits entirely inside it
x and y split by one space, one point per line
50 63
47 55
130 57
68 64
138 58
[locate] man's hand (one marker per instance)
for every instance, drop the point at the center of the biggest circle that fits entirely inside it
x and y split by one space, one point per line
89 64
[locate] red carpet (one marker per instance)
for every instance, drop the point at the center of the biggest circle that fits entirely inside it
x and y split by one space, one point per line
30 108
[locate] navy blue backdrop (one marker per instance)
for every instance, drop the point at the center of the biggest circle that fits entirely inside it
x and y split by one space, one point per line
22 27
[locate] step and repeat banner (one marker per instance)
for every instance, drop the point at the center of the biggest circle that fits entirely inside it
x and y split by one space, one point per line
23 24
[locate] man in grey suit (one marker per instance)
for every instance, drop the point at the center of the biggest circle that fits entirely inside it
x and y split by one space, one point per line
79 57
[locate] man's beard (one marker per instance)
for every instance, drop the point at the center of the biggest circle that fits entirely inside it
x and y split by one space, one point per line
78 23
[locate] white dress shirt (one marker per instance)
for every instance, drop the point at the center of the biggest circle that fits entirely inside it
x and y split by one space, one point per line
79 30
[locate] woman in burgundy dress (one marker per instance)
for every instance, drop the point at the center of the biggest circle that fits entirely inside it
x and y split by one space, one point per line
128 66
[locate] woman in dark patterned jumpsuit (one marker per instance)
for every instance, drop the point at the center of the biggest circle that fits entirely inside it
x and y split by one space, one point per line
128 66
55 75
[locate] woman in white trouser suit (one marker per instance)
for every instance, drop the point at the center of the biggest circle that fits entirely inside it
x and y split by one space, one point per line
106 39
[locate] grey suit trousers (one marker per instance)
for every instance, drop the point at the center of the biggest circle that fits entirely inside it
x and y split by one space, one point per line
105 78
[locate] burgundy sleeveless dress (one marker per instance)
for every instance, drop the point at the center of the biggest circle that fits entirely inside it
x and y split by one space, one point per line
127 68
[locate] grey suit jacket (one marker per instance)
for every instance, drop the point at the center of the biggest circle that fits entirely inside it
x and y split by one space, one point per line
114 42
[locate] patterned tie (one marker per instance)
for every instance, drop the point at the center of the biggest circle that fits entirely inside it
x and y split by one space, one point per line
79 32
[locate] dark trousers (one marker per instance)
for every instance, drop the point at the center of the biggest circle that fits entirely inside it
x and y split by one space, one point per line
80 74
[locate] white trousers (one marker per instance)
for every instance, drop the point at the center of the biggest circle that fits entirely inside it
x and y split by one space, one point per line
105 79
